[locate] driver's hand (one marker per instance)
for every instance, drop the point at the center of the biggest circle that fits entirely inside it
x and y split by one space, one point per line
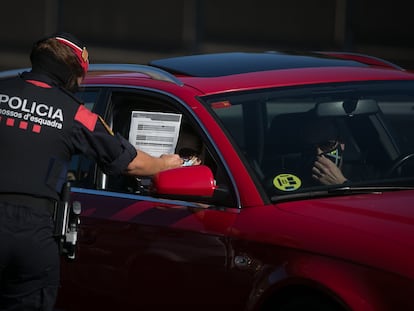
194 160
171 160
326 172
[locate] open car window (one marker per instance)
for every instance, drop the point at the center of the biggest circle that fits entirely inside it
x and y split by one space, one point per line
123 105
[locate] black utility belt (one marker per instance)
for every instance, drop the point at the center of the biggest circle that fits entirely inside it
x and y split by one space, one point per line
29 201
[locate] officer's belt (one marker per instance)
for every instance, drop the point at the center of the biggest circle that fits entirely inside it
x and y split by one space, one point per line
28 200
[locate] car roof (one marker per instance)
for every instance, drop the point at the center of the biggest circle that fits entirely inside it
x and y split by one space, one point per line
220 72
224 64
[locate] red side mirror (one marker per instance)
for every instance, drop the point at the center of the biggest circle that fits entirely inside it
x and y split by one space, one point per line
197 180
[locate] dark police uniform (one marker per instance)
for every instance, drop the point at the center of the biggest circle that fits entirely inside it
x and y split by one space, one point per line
41 127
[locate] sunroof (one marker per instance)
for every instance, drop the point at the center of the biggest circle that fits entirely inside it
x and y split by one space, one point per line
222 64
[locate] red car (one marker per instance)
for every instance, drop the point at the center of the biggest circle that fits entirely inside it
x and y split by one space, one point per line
258 225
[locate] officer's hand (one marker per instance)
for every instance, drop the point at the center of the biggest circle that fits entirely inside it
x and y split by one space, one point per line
326 172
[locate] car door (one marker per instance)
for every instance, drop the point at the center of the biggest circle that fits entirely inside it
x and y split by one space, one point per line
136 248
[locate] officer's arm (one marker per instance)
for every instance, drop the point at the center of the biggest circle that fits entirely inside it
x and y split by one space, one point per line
144 164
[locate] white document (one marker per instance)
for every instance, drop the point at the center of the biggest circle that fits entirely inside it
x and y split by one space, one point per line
154 132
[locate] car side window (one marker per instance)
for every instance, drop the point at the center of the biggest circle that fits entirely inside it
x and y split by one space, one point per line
400 118
190 141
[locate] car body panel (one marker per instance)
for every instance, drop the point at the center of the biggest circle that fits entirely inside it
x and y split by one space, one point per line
168 237
160 240
367 234
268 79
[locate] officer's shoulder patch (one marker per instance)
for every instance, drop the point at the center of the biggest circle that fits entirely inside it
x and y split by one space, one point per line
86 117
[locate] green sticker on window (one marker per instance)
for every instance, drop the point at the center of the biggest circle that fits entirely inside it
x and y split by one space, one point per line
287 182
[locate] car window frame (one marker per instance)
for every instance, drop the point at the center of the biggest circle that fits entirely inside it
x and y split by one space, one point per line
105 106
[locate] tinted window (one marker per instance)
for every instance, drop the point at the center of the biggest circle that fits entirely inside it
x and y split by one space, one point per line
280 132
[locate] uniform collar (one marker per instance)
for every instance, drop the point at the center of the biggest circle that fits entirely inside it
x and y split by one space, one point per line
41 77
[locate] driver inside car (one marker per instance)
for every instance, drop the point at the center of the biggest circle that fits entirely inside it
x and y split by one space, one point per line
189 146
323 137
327 166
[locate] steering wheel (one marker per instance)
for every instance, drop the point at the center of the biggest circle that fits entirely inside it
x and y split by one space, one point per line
398 163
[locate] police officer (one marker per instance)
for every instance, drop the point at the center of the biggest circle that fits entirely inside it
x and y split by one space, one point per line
42 125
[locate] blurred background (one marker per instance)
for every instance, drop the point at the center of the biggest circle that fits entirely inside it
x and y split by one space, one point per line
133 31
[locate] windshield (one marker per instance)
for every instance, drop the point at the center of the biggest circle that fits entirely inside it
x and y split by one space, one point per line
287 135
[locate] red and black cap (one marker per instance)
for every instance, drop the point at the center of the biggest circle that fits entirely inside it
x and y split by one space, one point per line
47 60
77 47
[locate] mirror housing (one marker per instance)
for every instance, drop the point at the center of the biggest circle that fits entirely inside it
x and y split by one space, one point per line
344 108
197 180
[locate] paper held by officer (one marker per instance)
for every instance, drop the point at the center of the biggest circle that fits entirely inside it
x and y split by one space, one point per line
154 132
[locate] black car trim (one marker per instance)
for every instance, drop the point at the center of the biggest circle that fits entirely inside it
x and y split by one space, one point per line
137 197
153 72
